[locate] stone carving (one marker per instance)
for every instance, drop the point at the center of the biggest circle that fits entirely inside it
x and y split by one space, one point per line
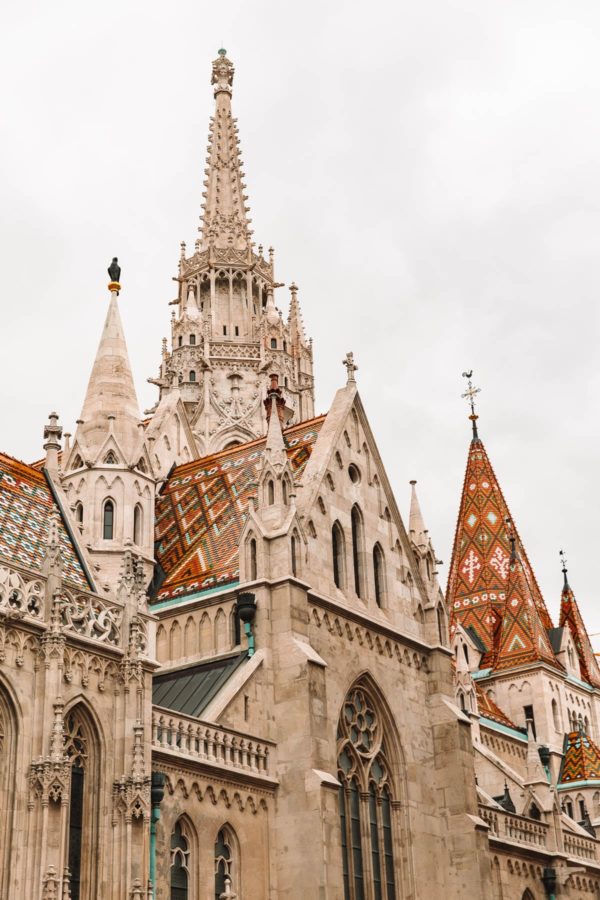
91 617
20 597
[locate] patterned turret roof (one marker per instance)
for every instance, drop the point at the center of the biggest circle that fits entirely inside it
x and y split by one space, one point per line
202 508
480 567
571 616
581 760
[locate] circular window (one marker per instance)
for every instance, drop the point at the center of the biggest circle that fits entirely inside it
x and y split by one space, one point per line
354 473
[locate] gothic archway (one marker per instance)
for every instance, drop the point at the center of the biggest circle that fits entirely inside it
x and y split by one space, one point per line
8 761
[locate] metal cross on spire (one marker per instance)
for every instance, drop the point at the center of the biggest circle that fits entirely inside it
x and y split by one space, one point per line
563 559
470 395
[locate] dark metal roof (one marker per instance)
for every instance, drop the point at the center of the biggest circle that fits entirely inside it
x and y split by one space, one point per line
476 639
555 635
189 691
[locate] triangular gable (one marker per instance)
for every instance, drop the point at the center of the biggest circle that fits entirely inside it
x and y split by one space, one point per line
202 508
490 710
571 616
26 503
479 569
523 638
581 760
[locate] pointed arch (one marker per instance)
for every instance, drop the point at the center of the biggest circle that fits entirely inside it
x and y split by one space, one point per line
295 552
228 861
9 724
189 637
221 635
251 558
440 613
358 550
338 549
270 492
138 525
371 772
83 747
205 635
175 640
162 644
379 576
183 859
108 519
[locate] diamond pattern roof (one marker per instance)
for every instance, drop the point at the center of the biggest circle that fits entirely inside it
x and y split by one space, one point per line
202 509
581 760
571 616
26 502
488 708
480 567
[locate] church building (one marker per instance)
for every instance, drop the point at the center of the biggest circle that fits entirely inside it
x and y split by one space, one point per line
227 667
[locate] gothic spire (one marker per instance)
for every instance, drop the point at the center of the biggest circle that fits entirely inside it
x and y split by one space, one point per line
224 222
416 525
110 402
481 558
571 617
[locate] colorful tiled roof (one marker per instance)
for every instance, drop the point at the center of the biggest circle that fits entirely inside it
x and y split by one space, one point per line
581 760
479 571
571 616
25 506
522 638
202 508
488 708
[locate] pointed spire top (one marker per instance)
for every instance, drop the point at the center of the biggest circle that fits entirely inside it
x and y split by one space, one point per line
470 395
275 406
222 72
114 271
563 559
416 525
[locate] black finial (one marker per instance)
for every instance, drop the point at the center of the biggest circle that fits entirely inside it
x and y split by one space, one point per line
114 270
470 395
563 559
512 539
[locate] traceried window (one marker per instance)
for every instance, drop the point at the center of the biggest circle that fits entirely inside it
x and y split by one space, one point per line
180 861
77 751
365 801
226 863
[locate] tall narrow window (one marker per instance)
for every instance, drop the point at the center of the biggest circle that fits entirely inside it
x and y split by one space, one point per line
339 555
253 566
284 489
237 330
270 493
108 520
273 343
81 831
180 852
8 762
180 341
441 624
138 520
192 340
192 376
79 515
365 801
294 543
358 550
226 863
379 575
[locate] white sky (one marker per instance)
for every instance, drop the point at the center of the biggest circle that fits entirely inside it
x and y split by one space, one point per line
428 174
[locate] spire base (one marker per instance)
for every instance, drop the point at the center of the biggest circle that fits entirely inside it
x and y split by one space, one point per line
114 287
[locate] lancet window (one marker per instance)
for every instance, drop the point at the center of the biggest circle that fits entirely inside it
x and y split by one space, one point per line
338 548
180 864
365 801
379 575
138 522
77 751
7 787
108 520
226 862
358 550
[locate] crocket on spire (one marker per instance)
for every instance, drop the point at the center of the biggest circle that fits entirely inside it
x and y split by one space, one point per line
224 221
570 617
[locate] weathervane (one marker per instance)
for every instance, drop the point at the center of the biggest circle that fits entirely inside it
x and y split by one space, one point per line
470 395
563 559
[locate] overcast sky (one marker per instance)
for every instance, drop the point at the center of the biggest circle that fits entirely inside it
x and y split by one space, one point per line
428 173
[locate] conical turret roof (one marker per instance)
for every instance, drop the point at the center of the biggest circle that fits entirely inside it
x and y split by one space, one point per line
581 760
110 391
224 221
570 617
416 524
480 567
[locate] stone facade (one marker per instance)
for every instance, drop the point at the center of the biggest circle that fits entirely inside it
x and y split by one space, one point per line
227 668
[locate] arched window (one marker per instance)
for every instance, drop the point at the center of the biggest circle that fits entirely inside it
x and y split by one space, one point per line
192 340
441 624
358 550
138 522
227 862
180 341
365 800
568 808
77 462
379 575
466 653
110 459
338 547
461 701
81 750
108 520
294 549
8 756
273 343
270 492
252 567
180 864
79 514
284 489
192 375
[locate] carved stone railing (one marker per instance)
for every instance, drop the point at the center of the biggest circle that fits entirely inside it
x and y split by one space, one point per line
87 615
508 826
208 743
20 594
580 847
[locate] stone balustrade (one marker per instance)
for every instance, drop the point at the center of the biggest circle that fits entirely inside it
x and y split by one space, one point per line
509 826
580 847
208 743
91 617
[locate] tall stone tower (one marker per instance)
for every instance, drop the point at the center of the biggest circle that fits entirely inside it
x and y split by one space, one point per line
227 335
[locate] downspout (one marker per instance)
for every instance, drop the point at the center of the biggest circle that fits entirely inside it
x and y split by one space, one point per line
549 880
157 792
246 611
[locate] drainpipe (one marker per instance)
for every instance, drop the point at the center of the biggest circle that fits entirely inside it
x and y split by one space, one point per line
157 792
246 610
549 880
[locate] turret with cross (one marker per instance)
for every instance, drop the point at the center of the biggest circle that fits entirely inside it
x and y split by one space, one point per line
470 395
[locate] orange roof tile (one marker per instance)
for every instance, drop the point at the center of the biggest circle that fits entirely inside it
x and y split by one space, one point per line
581 760
488 708
202 508
571 616
479 570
